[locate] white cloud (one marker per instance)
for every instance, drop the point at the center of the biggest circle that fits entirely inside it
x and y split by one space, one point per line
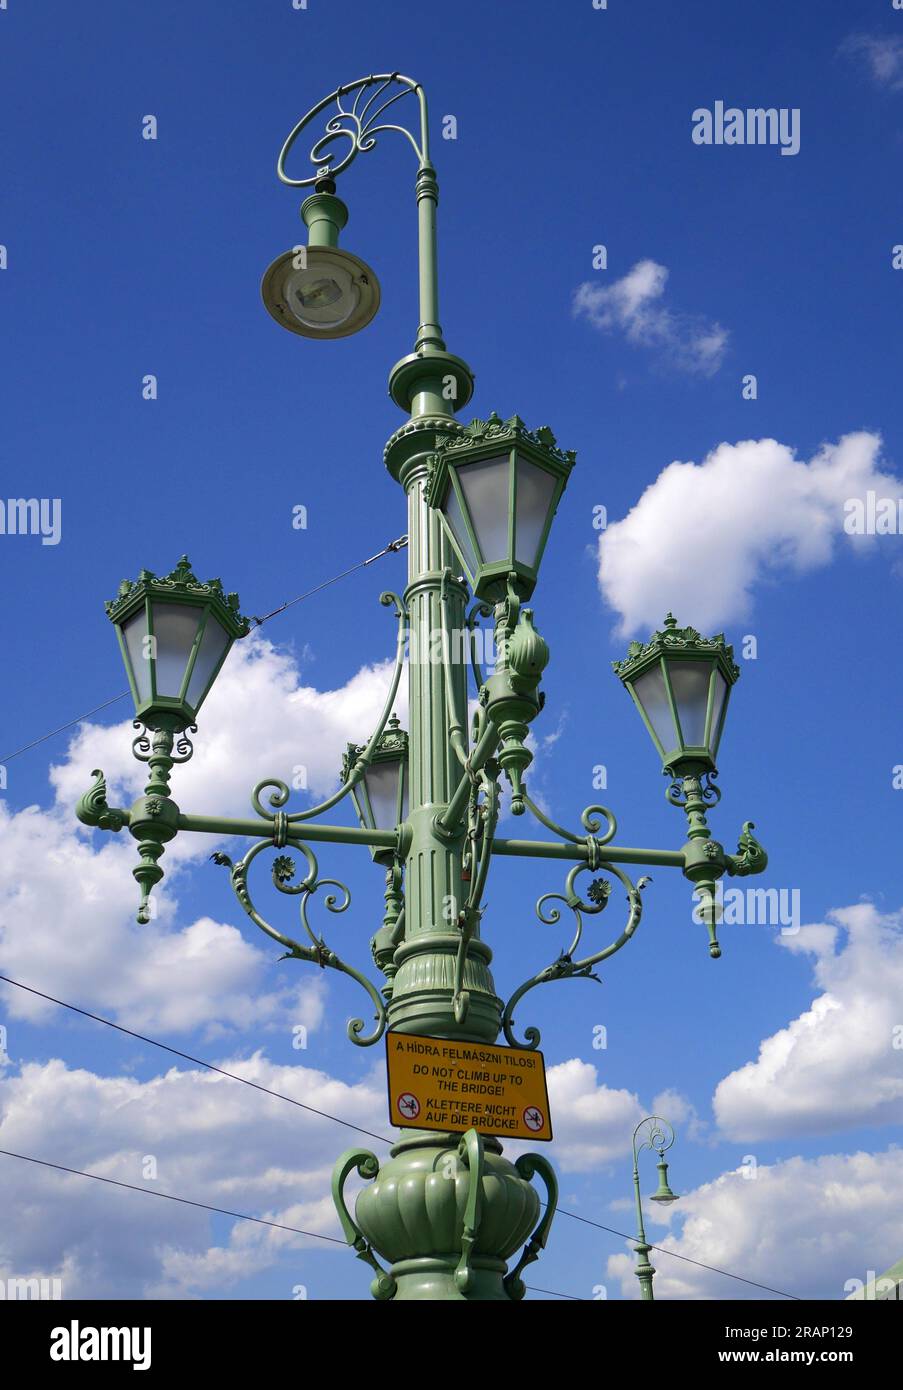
757 512
68 899
633 305
840 1063
592 1122
217 1142
259 721
678 1110
803 1226
883 55
213 1141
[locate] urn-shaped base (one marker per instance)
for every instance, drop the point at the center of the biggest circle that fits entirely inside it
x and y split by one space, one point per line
445 1213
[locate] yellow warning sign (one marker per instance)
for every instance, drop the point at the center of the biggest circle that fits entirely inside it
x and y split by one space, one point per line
438 1084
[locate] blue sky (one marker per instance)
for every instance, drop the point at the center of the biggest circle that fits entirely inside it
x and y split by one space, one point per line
127 257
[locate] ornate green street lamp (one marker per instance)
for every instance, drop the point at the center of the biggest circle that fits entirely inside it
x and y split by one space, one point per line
380 796
447 1211
657 1135
498 485
174 634
680 682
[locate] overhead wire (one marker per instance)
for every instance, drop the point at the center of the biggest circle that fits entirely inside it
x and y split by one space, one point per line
221 1211
371 1134
398 544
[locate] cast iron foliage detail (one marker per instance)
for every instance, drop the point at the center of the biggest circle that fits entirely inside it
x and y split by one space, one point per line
674 640
181 580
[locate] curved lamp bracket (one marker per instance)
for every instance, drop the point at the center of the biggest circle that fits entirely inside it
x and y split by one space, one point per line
279 792
283 871
357 121
566 967
657 1134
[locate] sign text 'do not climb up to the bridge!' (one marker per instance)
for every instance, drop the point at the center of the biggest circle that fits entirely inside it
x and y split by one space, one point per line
438 1084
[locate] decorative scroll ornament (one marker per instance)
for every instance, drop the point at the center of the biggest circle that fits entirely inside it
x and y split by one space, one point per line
92 808
565 967
283 871
483 817
652 1133
162 743
357 123
750 857
683 789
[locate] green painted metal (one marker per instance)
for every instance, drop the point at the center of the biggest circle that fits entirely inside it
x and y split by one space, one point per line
659 1136
389 751
182 588
493 577
662 649
324 215
445 1213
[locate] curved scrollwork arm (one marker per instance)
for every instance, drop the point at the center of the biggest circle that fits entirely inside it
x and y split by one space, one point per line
358 124
657 1134
588 820
366 1164
480 609
482 822
566 967
279 792
318 953
528 1165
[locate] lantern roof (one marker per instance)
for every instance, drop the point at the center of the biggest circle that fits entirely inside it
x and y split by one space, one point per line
482 438
392 743
676 641
180 585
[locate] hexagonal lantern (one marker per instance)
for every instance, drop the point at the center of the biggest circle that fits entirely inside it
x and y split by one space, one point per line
497 486
381 796
174 633
680 682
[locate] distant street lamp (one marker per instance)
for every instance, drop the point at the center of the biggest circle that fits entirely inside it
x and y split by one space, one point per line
447 1210
657 1135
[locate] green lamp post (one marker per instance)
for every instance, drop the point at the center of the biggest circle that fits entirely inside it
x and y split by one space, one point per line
447 1211
658 1135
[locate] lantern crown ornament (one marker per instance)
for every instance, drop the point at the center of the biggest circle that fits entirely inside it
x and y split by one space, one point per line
380 790
175 632
497 485
680 682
